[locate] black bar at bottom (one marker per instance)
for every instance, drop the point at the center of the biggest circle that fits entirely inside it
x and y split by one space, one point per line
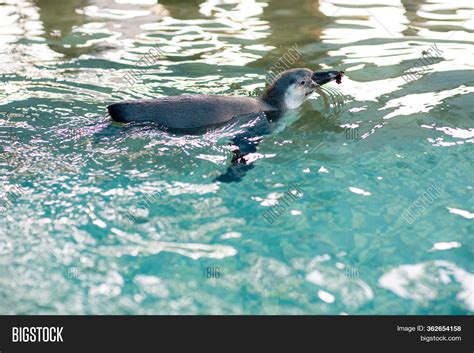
219 333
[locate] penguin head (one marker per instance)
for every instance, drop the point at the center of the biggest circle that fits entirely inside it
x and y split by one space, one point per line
291 88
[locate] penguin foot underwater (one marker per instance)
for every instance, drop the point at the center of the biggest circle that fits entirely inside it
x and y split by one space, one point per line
190 112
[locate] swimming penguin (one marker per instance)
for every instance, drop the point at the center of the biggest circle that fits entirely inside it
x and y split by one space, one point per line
190 112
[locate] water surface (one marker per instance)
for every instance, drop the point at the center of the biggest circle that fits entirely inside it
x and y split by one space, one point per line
102 218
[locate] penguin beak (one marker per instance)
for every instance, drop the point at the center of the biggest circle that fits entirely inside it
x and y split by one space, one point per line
320 78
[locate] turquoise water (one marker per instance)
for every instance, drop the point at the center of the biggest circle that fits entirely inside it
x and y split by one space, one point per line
103 218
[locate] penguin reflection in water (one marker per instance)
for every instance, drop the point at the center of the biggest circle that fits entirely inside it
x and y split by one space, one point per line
192 113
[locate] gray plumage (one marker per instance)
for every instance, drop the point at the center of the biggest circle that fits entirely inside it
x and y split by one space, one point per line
189 111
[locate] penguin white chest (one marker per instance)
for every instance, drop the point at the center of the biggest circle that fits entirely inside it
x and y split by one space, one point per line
294 97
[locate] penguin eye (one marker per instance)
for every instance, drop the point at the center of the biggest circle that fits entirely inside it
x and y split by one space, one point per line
302 83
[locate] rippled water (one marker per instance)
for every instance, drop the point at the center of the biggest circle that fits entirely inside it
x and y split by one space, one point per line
98 217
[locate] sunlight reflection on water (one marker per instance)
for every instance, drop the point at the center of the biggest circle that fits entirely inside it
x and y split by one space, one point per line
66 245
